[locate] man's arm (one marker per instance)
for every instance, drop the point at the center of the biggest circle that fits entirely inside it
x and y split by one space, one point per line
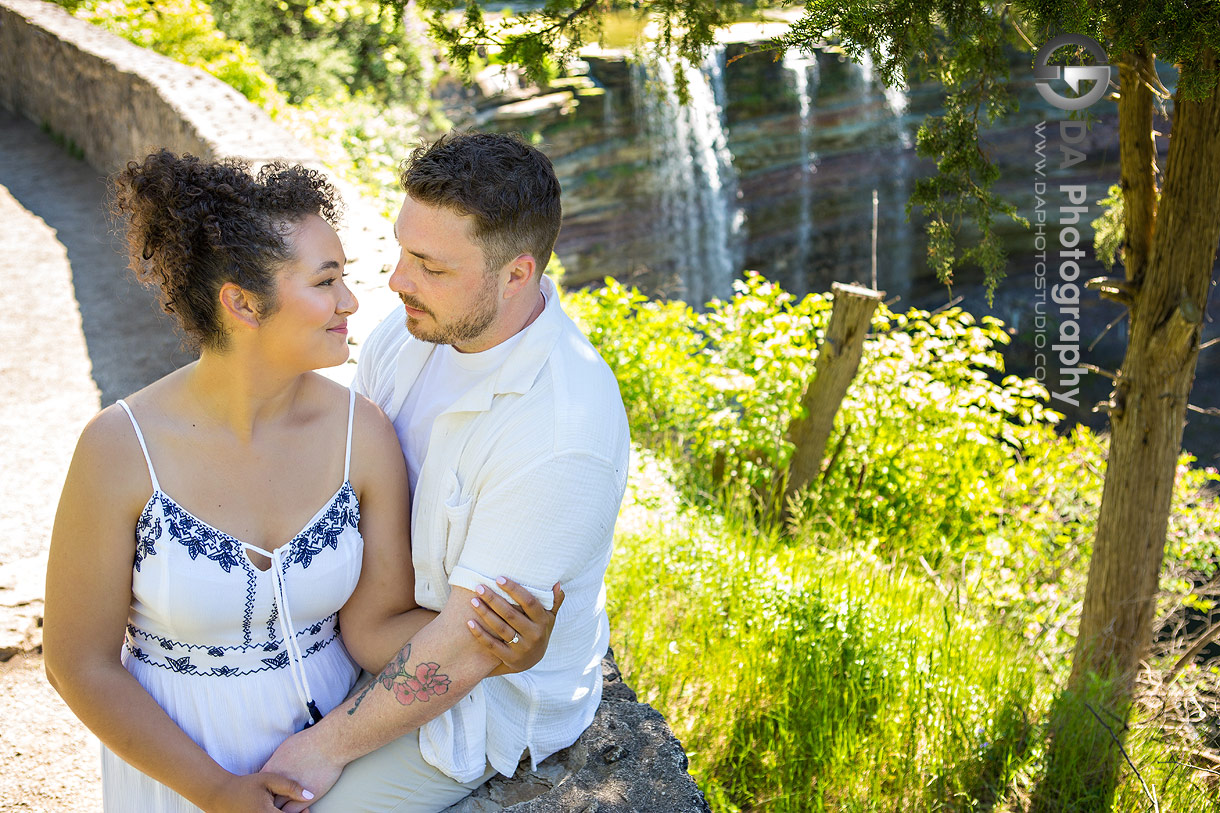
430 674
524 528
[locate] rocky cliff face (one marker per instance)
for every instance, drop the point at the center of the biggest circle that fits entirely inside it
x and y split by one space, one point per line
770 167
810 138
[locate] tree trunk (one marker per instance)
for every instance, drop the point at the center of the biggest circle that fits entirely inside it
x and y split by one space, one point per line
1169 254
1148 405
838 360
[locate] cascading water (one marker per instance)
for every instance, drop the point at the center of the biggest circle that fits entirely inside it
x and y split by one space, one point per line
804 68
895 97
895 239
699 221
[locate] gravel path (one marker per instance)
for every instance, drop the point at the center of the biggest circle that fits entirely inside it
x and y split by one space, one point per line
50 385
79 333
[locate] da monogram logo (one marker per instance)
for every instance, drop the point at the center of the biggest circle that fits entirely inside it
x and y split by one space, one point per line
1073 75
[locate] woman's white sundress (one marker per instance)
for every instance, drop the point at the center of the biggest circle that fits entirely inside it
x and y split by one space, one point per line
239 657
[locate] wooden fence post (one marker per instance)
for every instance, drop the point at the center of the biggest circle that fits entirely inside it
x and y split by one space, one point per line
838 360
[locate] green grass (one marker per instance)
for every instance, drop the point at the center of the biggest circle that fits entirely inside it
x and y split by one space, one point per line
900 645
804 678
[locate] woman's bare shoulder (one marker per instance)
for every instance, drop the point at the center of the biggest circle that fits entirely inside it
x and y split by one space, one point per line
371 424
108 461
376 452
370 427
111 435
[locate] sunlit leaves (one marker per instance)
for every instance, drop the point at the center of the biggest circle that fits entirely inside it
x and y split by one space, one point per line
329 51
185 31
1108 230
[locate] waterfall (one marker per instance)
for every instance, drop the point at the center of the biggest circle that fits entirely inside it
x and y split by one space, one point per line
804 68
699 222
895 98
897 240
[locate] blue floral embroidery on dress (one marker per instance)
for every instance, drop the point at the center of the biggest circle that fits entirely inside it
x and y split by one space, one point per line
148 531
329 527
272 617
278 662
199 537
184 665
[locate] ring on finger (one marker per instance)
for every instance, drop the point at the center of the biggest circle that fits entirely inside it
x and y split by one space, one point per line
516 639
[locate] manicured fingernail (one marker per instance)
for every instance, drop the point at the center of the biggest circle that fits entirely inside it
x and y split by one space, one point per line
470 624
307 794
480 589
475 602
501 580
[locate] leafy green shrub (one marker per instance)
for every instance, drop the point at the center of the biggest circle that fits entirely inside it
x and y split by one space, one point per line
938 461
920 437
926 434
658 355
762 344
332 51
185 31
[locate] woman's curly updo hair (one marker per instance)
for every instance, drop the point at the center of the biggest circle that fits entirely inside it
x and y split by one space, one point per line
194 225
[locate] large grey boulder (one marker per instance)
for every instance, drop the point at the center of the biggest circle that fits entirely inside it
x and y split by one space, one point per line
627 761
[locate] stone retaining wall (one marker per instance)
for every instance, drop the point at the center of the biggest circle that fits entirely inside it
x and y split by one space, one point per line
114 102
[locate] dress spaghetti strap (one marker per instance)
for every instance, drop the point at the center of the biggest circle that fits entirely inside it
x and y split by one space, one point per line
152 475
347 455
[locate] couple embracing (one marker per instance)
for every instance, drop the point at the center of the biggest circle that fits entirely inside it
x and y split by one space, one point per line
266 591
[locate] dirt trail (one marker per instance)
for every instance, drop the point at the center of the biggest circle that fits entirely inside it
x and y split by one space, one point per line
63 340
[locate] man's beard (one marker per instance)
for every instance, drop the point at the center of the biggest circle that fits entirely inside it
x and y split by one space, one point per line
467 328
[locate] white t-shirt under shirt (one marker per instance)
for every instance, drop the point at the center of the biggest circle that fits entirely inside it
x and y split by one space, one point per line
447 376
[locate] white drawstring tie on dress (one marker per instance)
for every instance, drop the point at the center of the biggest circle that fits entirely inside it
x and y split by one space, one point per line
296 660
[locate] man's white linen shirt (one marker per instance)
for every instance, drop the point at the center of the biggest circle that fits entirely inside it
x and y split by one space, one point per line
523 477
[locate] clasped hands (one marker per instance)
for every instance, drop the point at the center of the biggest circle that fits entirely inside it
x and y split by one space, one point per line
298 772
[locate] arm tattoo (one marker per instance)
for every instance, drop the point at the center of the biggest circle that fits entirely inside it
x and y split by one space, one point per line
407 687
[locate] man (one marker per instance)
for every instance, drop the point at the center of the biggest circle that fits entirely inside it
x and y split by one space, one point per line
517 445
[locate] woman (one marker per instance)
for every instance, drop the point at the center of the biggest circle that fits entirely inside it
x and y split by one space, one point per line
194 629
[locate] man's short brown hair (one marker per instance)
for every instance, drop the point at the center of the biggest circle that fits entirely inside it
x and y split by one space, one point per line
507 186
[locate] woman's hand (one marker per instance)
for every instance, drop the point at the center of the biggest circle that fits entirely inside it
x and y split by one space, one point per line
518 636
303 757
258 793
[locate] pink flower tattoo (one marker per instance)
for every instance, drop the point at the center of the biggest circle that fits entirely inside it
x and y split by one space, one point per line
425 682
